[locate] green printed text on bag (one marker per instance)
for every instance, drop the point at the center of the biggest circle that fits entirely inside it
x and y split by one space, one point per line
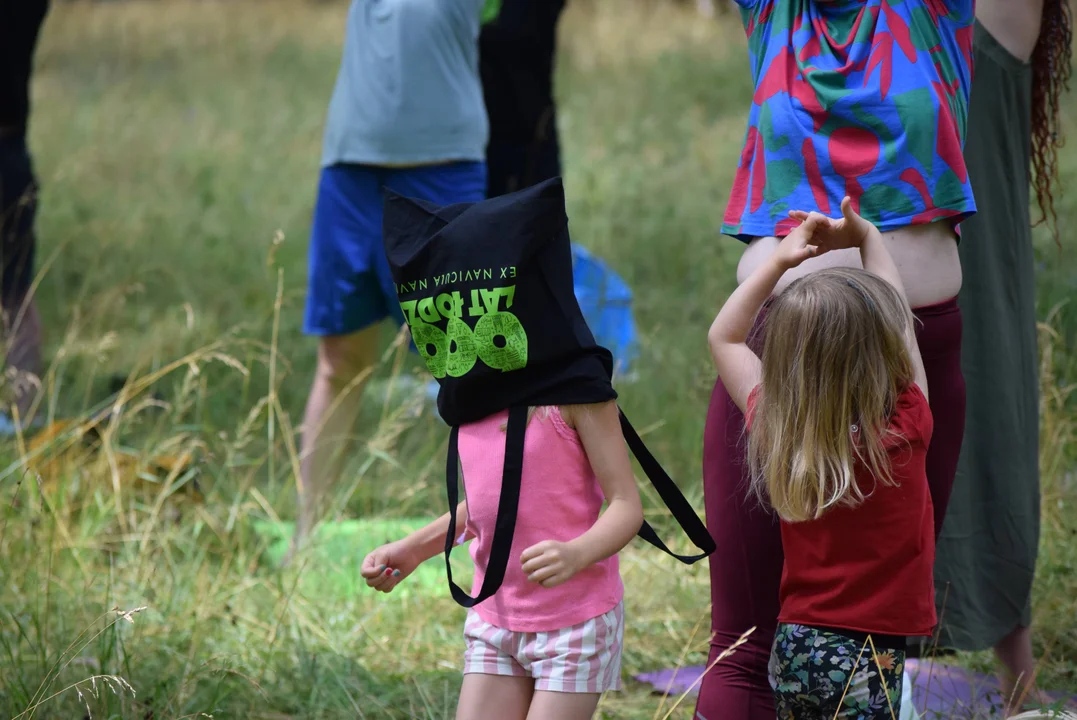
451 347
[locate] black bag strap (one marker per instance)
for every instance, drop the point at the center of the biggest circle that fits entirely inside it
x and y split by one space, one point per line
509 500
671 495
507 506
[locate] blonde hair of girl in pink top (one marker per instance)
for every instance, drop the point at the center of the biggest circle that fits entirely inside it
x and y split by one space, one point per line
548 643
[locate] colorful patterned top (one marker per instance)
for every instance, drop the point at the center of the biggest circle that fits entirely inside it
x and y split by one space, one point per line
866 98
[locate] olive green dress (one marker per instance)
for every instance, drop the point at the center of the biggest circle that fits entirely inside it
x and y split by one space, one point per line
987 550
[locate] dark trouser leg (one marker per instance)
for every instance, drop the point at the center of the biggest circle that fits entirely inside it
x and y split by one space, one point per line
939 336
516 63
745 573
21 325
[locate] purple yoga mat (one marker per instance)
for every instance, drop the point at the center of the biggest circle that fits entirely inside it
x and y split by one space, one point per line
939 690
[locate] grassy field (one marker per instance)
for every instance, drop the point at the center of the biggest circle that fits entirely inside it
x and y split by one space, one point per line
177 143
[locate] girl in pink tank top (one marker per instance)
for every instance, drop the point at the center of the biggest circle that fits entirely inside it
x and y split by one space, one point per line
548 643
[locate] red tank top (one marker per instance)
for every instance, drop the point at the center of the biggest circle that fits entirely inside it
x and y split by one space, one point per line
869 568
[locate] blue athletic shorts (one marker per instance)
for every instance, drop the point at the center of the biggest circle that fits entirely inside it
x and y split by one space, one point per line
349 286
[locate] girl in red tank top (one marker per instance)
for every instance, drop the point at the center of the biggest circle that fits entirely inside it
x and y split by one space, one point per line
838 431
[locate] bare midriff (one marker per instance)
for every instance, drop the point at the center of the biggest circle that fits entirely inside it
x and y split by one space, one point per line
926 257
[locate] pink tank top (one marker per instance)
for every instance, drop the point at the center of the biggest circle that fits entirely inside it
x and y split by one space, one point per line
560 499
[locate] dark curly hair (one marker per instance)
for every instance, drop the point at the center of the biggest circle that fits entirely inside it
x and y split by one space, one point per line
1050 78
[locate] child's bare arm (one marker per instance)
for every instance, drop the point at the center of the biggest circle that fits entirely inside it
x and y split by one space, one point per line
552 563
853 231
387 565
738 366
877 260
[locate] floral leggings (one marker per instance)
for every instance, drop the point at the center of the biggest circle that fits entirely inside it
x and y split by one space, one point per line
819 674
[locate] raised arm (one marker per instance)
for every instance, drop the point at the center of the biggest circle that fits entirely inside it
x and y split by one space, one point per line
738 366
876 259
1016 25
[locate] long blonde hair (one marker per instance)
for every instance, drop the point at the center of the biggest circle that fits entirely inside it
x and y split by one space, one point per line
834 361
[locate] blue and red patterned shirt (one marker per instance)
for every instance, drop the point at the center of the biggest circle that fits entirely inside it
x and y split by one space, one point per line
866 98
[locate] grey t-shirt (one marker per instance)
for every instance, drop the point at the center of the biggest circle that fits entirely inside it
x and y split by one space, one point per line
408 90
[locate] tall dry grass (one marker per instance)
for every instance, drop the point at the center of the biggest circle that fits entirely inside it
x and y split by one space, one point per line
177 144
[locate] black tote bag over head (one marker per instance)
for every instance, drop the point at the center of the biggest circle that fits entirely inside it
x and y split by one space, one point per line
487 291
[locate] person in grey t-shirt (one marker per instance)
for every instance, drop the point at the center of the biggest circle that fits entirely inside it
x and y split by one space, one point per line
407 114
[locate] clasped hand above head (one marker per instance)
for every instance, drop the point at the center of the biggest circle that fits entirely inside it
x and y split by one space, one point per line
737 364
818 234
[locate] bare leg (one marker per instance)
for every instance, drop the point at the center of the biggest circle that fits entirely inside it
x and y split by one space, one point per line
23 354
327 424
1019 668
562 706
494 697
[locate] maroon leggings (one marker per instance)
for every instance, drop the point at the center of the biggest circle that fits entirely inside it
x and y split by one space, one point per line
747 568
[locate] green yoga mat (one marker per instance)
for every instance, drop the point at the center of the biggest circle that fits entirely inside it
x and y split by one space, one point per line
332 560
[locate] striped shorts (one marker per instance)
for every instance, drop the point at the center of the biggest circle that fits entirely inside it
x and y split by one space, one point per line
584 658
